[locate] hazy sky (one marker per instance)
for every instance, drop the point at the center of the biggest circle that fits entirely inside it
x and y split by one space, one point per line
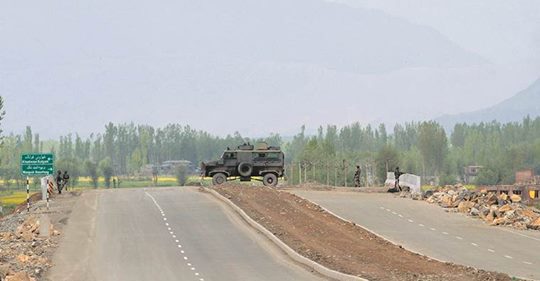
259 66
500 30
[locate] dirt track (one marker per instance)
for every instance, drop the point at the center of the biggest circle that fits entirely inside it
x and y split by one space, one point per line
341 246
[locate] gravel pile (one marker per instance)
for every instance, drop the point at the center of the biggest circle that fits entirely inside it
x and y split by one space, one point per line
494 209
25 245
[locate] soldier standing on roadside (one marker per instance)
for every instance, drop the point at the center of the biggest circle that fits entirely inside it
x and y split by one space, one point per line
65 179
357 176
59 179
397 174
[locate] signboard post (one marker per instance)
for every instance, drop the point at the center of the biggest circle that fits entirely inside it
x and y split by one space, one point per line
35 164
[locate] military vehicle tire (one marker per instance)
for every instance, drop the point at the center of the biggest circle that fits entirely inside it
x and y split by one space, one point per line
245 169
219 178
270 179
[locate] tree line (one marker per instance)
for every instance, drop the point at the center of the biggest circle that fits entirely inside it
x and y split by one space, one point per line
422 148
122 149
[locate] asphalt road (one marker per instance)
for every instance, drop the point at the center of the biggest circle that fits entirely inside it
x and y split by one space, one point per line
165 234
429 230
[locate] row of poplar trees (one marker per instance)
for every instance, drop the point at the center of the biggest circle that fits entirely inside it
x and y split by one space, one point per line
423 148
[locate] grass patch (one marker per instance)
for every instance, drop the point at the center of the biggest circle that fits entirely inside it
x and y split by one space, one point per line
14 198
9 200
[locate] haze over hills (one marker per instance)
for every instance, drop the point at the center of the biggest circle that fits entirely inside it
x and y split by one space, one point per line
526 102
501 31
250 66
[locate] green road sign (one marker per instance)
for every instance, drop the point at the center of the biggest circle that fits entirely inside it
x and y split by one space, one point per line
37 164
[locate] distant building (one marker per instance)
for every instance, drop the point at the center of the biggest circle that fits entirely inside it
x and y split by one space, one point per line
470 173
527 177
169 167
148 170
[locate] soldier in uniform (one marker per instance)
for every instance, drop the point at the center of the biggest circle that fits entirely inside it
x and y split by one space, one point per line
397 174
59 180
65 179
357 176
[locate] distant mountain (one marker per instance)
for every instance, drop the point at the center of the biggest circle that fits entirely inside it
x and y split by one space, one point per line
526 102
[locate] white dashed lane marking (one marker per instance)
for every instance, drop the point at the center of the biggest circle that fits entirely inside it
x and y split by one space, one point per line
457 237
173 235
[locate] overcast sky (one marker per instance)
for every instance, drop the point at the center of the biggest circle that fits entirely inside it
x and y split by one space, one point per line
500 30
259 66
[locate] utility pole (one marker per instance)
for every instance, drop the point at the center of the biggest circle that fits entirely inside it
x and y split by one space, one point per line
346 172
299 172
327 173
292 174
335 174
313 171
366 173
305 172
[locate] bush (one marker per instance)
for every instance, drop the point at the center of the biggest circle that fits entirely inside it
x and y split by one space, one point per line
487 177
106 168
447 180
181 175
91 170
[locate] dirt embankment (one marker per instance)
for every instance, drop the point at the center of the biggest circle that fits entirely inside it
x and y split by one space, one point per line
28 240
339 245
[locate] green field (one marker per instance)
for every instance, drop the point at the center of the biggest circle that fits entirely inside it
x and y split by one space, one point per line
9 200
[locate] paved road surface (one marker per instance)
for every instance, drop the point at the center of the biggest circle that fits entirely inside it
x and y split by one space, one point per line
165 234
428 229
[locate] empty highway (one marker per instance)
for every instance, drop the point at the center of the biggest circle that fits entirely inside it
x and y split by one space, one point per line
429 230
165 234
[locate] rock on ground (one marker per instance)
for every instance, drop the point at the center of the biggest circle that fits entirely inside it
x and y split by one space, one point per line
492 208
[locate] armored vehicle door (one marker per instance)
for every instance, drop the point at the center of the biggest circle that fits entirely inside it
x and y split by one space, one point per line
229 159
244 157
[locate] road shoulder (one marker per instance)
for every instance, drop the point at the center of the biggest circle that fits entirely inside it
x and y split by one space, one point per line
74 259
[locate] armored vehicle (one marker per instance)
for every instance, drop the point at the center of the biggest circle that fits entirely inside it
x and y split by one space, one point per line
247 162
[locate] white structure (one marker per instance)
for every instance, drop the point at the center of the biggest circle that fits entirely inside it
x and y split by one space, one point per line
412 181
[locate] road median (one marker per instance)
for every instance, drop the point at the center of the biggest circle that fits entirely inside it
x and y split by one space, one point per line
333 247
